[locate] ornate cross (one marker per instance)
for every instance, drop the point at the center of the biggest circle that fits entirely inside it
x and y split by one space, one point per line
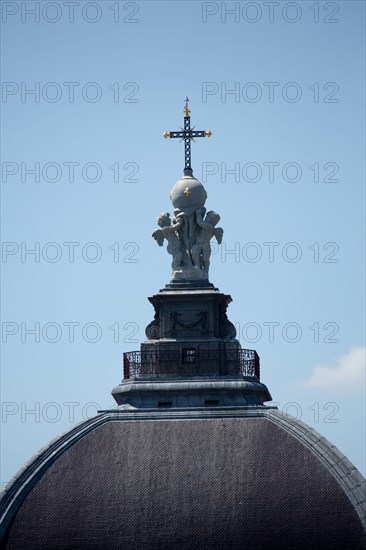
187 134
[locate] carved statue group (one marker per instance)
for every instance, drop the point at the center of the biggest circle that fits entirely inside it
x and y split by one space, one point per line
188 236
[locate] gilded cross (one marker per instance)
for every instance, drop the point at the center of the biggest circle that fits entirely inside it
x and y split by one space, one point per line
187 134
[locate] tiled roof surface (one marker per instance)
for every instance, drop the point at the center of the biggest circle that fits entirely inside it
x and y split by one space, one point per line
254 480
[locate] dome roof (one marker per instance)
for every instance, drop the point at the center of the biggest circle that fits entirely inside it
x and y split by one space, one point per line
188 194
252 478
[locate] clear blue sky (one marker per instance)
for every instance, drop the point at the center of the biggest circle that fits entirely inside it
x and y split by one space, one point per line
109 78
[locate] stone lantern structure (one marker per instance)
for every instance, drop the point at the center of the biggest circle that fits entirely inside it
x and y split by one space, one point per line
192 457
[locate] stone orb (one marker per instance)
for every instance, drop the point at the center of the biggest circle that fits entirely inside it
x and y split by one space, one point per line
188 194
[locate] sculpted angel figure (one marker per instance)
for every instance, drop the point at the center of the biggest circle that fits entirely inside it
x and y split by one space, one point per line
168 231
201 250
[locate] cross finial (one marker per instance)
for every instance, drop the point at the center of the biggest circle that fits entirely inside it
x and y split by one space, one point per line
186 110
187 134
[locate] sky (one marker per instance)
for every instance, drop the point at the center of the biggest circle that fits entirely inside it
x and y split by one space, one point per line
88 88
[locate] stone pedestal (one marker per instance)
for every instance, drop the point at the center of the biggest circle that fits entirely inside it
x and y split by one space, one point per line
191 312
191 357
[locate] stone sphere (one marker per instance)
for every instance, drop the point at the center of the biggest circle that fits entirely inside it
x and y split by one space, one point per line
188 194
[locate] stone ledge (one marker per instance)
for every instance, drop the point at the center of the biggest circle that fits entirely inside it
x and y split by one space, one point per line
188 392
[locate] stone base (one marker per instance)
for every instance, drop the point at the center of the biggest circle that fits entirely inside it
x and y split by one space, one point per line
191 392
190 274
187 310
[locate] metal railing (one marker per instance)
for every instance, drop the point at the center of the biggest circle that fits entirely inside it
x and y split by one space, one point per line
182 362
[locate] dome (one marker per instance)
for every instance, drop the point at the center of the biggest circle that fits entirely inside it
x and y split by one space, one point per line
188 194
252 478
